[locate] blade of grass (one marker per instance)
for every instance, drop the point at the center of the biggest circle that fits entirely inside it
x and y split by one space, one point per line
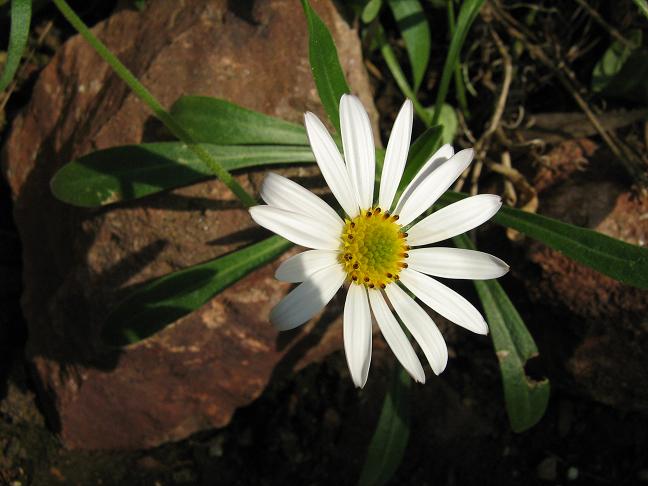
467 15
20 19
399 76
460 88
642 5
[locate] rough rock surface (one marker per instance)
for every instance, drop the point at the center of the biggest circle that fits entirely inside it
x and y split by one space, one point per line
604 333
78 263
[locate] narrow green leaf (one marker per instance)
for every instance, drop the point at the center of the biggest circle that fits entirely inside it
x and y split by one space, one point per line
389 440
371 11
526 399
419 153
467 15
615 258
415 30
213 120
325 65
134 171
164 300
20 19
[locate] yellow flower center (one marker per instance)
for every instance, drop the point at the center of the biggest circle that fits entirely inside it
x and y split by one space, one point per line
373 249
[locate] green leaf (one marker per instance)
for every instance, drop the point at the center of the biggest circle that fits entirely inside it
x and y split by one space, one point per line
213 120
415 30
419 153
642 5
164 300
622 72
448 120
467 15
615 258
389 440
134 171
371 11
20 18
526 399
613 60
325 65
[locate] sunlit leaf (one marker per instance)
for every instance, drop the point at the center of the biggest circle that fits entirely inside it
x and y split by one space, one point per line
415 30
389 440
213 120
526 399
164 300
325 65
614 258
134 171
20 18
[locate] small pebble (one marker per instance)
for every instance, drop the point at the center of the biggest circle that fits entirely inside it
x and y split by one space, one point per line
572 473
547 470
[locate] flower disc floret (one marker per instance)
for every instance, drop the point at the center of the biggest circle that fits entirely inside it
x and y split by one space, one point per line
374 248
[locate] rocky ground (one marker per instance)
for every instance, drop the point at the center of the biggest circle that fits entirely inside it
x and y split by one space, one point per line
219 398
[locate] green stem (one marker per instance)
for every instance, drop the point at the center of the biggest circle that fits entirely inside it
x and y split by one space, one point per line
400 78
147 97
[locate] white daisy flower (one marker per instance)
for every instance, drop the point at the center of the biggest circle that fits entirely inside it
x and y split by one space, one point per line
373 249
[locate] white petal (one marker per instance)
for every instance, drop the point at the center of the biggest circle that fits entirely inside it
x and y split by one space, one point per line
421 326
431 188
454 219
298 228
433 163
359 150
357 334
299 267
396 155
444 300
283 193
456 263
331 164
395 337
308 298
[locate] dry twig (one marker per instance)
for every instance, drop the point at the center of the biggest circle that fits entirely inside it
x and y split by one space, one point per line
633 164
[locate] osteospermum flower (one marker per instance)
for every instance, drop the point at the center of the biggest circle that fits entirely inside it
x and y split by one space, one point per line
376 249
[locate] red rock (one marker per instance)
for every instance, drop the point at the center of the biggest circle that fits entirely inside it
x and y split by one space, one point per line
78 263
606 319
